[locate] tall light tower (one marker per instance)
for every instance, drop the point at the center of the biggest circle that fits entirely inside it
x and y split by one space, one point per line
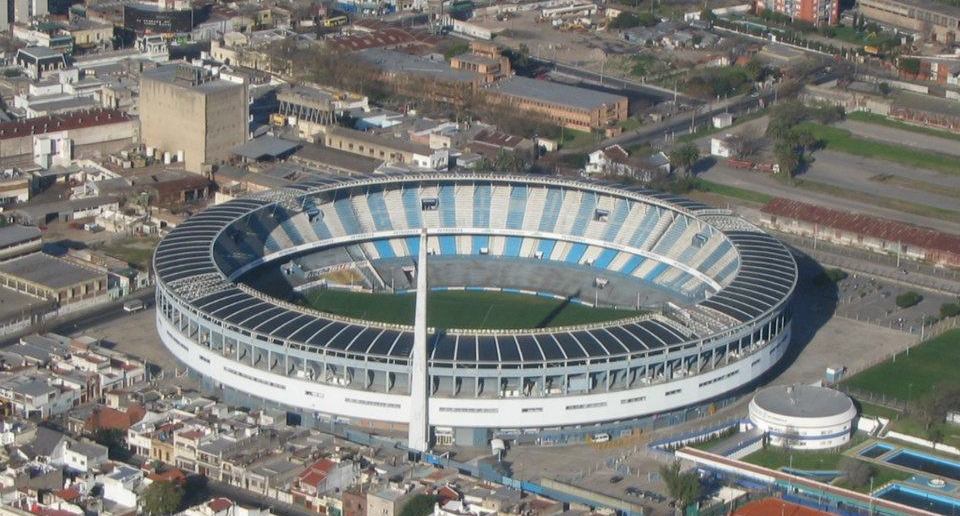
418 433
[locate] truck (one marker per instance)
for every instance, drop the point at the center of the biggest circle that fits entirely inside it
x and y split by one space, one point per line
134 305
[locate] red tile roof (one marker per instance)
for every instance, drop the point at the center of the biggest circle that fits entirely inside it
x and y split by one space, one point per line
219 504
317 472
884 229
383 37
61 122
171 475
110 418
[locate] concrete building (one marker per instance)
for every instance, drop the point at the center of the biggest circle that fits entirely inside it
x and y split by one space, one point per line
89 133
47 277
816 12
803 416
390 150
567 106
20 11
861 231
192 115
931 19
17 240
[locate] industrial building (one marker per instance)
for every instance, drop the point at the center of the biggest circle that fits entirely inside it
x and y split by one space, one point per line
188 114
387 149
566 106
862 231
930 19
47 277
76 135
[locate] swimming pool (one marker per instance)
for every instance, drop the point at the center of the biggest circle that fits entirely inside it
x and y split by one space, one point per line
926 463
900 493
876 450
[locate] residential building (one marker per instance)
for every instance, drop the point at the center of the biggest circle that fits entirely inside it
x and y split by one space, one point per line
188 113
815 12
84 456
616 161
39 61
928 18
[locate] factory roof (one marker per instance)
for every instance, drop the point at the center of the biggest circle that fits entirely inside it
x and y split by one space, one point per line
266 146
884 229
554 93
16 234
64 122
48 271
400 62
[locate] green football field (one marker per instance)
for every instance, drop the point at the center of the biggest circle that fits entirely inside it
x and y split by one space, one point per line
459 309
916 375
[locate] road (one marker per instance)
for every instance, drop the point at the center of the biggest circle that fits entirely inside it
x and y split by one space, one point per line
79 321
758 182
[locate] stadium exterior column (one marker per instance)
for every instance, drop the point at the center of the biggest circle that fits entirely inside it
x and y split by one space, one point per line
418 432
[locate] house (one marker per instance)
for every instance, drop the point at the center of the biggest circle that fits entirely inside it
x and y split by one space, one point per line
722 120
322 477
37 61
616 161
84 456
723 146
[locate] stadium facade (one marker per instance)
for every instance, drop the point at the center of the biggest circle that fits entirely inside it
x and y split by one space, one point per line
727 324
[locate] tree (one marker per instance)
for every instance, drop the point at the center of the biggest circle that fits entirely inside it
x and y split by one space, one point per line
910 65
625 20
162 498
908 299
884 88
419 505
858 472
115 441
949 310
683 487
685 157
707 15
787 157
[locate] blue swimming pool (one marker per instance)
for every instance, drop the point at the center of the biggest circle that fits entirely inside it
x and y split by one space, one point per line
926 463
876 450
900 493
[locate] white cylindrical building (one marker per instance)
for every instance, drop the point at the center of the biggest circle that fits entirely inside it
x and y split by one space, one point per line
803 416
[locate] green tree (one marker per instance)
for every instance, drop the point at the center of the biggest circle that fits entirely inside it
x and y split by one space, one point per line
949 310
115 439
419 505
884 88
685 157
161 498
908 299
625 20
707 15
787 157
910 65
857 472
685 488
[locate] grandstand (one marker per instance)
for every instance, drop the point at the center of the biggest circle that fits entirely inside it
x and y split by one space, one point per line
720 287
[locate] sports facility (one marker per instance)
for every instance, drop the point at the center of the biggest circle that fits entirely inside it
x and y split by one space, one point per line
556 308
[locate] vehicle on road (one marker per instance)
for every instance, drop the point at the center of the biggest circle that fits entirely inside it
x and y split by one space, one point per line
133 306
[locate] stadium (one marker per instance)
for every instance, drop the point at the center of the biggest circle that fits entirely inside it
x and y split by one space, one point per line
580 308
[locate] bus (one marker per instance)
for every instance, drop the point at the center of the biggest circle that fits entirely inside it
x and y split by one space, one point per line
335 21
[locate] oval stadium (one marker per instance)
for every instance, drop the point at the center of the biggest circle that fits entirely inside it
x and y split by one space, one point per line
558 309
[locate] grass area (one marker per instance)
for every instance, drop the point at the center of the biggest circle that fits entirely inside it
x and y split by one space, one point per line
915 375
869 409
576 140
708 130
873 118
631 124
733 191
136 251
842 140
814 460
895 204
459 309
881 476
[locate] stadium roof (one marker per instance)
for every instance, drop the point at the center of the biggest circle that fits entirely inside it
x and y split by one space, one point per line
185 264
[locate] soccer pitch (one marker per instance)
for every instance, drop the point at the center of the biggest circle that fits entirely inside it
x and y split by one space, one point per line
463 310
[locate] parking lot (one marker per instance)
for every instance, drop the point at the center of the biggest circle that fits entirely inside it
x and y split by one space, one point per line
873 300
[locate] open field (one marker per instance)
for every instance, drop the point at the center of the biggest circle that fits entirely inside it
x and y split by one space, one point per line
844 141
460 309
136 251
873 118
916 374
742 194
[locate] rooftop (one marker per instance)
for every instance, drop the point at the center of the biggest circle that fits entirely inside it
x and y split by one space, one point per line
803 401
16 234
884 229
266 146
177 73
64 122
555 93
393 61
48 271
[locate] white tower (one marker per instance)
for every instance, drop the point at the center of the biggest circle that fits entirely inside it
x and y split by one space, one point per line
418 433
